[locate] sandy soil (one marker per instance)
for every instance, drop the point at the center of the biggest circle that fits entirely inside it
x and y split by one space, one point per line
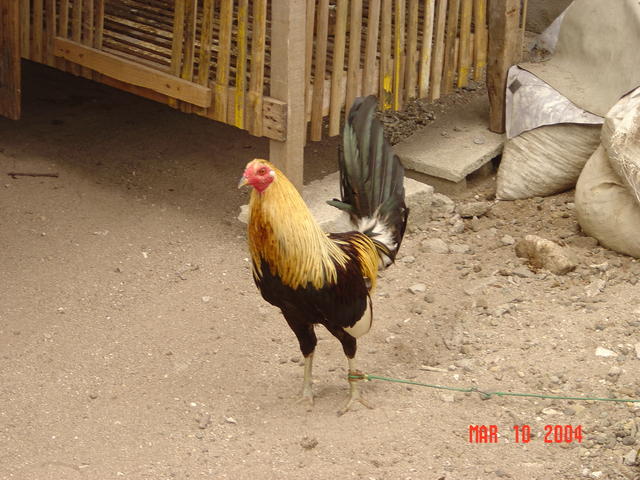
134 345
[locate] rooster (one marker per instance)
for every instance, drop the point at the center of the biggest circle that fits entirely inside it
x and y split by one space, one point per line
317 278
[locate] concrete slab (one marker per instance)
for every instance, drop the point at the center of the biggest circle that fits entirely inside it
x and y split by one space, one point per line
456 144
418 198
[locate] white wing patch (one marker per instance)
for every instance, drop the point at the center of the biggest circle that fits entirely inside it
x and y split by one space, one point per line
363 325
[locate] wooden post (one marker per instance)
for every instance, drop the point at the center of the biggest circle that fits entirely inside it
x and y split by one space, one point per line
10 59
504 44
288 40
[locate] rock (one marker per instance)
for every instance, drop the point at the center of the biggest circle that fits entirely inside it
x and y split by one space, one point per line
501 310
308 443
457 227
473 209
595 287
231 420
448 397
507 240
429 298
637 349
442 206
418 288
204 421
408 259
583 242
605 352
545 254
614 372
434 245
523 272
551 411
206 299
475 224
630 458
462 248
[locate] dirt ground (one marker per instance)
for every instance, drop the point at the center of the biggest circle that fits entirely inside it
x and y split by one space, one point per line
134 345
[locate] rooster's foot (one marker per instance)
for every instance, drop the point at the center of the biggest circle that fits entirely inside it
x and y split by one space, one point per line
306 399
354 394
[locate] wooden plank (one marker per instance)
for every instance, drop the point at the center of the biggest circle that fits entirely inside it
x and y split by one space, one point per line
355 42
450 45
386 64
322 29
411 70
480 39
465 46
274 111
189 48
132 72
25 27
36 30
10 59
523 27
398 53
222 64
337 70
288 41
504 35
241 64
425 52
49 32
256 82
438 50
371 49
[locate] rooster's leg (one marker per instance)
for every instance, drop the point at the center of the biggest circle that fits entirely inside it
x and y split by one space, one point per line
354 388
307 391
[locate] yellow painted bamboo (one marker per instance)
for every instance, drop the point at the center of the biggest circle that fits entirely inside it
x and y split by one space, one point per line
256 83
465 47
398 53
386 64
206 38
222 64
480 39
178 42
355 41
425 52
337 70
241 64
99 24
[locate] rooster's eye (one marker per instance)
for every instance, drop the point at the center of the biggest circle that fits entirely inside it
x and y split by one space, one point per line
262 171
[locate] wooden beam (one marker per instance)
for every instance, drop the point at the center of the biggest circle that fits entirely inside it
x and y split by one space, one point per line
504 44
288 41
10 59
132 72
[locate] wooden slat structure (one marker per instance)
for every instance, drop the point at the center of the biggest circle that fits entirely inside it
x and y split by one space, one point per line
231 60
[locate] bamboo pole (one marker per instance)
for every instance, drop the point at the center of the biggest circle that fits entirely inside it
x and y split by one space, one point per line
308 88
412 51
438 54
480 38
337 70
322 29
256 84
465 48
371 49
425 52
241 64
49 33
177 43
222 64
206 40
450 45
386 65
355 41
36 39
398 53
99 24
25 27
87 31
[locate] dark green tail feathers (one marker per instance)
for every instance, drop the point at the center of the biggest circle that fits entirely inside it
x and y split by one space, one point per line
371 179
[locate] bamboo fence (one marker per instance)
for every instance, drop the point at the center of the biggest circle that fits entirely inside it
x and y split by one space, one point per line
212 57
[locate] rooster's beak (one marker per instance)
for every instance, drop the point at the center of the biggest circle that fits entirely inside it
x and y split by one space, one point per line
243 182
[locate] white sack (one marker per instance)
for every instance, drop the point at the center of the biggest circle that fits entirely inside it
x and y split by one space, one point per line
545 161
606 209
